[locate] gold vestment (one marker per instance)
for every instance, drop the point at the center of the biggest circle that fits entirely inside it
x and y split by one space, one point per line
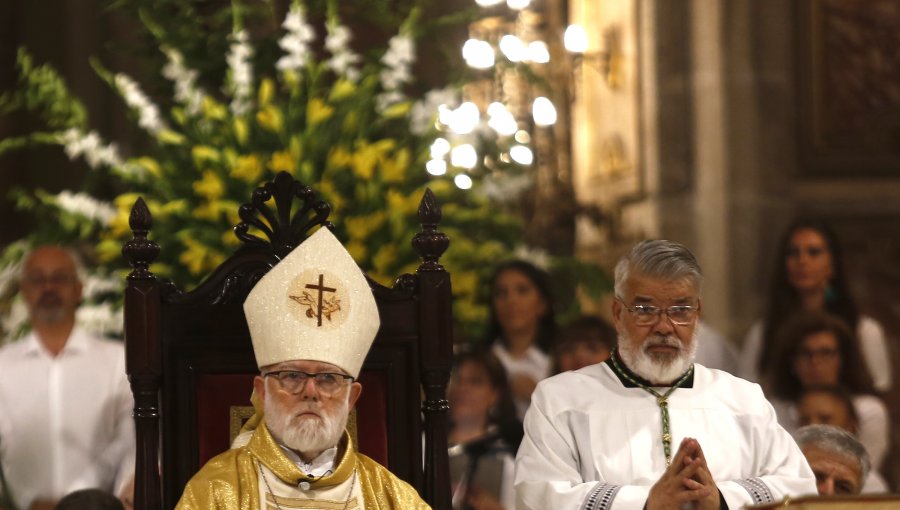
230 480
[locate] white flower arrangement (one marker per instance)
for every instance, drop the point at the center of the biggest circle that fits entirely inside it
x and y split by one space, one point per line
343 60
101 319
76 143
241 83
398 60
87 206
148 113
15 322
185 80
9 277
296 41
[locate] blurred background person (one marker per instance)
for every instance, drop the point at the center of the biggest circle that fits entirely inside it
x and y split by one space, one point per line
522 326
714 350
586 340
484 433
827 405
66 422
833 405
809 275
89 499
838 460
819 349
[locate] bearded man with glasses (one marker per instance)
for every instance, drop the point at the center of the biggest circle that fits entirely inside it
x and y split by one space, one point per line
648 428
312 319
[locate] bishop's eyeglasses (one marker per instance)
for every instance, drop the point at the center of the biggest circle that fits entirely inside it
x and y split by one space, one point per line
293 381
648 315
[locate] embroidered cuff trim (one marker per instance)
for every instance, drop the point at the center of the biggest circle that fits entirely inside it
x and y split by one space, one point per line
600 497
757 490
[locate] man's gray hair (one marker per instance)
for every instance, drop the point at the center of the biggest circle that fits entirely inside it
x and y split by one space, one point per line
662 259
836 441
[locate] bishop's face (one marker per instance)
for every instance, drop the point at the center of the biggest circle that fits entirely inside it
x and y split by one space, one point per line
308 418
658 350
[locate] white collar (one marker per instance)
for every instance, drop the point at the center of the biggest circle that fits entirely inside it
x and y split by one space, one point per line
320 466
77 342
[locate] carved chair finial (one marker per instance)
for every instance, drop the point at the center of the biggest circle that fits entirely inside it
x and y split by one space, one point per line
140 251
430 243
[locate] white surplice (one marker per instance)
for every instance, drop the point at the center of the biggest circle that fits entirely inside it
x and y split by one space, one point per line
593 443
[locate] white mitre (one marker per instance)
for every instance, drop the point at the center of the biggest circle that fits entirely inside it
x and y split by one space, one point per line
313 305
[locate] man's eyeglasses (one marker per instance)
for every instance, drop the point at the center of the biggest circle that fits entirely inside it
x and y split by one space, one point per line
56 280
293 381
648 315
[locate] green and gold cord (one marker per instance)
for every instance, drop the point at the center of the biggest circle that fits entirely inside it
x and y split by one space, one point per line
661 401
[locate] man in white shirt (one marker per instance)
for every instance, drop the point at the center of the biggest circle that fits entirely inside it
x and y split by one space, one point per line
66 421
648 428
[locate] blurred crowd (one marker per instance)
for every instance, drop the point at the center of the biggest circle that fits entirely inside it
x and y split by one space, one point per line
822 363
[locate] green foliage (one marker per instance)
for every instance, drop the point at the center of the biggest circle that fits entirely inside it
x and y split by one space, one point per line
207 152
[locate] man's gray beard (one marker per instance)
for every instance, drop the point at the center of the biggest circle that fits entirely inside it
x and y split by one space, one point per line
48 314
306 434
657 369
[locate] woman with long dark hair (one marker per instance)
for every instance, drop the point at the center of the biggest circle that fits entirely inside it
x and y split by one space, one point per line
819 349
484 433
809 275
522 326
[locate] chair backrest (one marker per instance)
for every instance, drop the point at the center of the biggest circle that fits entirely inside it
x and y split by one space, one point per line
191 364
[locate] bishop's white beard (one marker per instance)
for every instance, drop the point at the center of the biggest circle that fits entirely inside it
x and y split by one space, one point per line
654 368
306 434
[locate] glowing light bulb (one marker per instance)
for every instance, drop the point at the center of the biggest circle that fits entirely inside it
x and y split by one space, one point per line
478 54
543 111
436 167
513 48
538 52
463 181
439 148
464 118
502 121
522 136
445 114
521 154
464 156
496 108
575 39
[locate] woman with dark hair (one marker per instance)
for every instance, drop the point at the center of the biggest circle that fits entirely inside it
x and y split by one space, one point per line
484 433
820 349
522 326
586 340
809 275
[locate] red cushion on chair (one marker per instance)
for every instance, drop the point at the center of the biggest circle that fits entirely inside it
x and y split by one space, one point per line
371 416
217 395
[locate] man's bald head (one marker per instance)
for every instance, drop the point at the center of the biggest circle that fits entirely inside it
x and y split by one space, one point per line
50 283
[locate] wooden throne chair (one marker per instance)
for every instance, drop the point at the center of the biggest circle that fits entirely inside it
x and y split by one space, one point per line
190 360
